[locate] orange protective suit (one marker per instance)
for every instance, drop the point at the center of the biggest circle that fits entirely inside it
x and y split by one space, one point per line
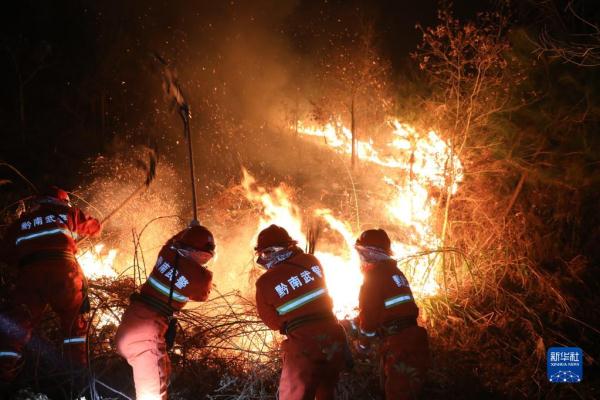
43 243
140 338
387 309
141 341
292 297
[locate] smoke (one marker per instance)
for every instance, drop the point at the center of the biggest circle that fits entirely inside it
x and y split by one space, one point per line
255 59
247 83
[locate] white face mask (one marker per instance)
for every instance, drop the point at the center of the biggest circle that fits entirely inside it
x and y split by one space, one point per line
272 256
369 254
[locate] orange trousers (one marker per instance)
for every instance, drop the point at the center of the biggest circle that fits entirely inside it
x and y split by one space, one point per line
312 362
405 360
59 283
140 340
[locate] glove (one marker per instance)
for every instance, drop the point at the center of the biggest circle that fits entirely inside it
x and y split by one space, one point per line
171 333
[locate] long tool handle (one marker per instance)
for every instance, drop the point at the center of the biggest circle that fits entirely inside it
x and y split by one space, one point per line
120 206
188 134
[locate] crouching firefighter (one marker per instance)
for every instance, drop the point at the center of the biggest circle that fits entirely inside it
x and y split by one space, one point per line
42 243
147 329
291 297
387 310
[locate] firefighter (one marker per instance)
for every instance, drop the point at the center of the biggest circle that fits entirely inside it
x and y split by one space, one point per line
42 243
387 310
291 297
147 329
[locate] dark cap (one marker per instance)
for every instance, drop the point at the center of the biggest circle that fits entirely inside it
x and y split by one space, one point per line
273 236
375 238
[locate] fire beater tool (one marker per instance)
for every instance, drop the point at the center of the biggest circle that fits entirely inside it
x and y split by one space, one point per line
150 170
173 90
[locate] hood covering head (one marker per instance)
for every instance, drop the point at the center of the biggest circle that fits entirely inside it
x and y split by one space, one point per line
195 237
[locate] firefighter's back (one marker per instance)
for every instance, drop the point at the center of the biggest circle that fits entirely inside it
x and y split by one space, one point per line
174 281
296 294
45 229
396 297
405 344
42 243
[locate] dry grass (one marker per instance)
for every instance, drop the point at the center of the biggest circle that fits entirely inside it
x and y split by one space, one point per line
501 307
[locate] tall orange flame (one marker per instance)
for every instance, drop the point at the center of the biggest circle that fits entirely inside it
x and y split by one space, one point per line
420 162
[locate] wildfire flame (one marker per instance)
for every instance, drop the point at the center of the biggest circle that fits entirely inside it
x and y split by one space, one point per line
417 168
419 163
277 207
97 262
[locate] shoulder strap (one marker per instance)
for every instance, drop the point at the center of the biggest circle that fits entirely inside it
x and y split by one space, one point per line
174 270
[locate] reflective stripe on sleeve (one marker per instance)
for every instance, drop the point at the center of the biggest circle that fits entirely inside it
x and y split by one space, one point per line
43 233
73 340
368 334
166 290
300 301
10 354
396 300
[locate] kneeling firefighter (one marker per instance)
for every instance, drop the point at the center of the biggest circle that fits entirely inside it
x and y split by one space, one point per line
387 310
42 243
148 325
291 297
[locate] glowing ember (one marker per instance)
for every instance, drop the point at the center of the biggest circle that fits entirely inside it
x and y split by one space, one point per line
97 262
